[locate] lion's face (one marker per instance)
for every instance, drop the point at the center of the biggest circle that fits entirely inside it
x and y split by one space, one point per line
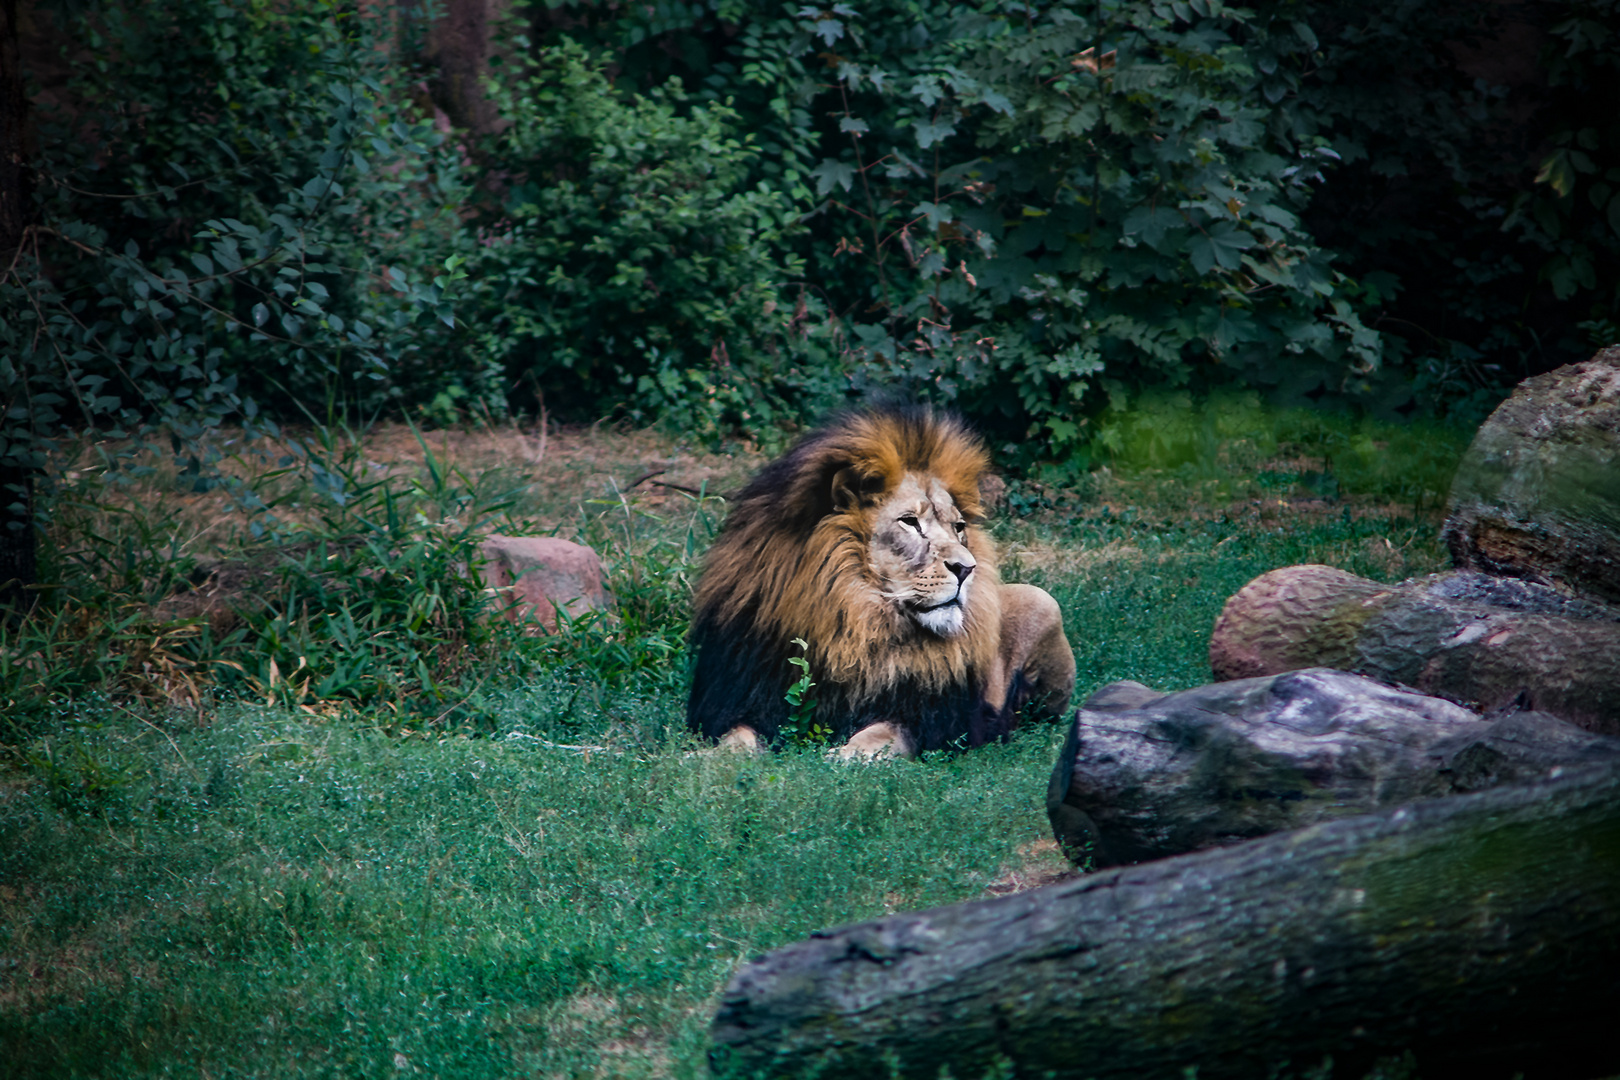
918 553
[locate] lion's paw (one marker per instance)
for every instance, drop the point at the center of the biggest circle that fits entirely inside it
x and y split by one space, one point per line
877 741
739 740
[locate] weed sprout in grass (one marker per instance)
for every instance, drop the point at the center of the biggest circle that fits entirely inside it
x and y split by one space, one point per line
801 729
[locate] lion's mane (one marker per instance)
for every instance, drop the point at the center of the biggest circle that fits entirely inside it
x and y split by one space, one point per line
791 563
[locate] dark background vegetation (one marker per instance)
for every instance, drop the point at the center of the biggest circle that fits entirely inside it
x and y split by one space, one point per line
730 217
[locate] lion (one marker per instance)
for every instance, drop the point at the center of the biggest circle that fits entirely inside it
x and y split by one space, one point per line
864 541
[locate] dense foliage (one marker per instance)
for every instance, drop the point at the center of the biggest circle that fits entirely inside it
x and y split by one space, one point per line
625 254
735 216
212 224
1436 185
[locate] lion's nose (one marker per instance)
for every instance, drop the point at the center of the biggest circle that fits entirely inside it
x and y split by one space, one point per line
960 569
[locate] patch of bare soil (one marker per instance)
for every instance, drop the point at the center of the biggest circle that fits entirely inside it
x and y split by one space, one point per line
549 470
1040 862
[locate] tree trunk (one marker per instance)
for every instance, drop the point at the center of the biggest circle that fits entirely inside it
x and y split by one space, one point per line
460 44
1488 643
1537 496
1145 776
1480 932
17 539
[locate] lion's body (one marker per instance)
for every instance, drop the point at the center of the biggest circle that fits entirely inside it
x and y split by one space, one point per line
860 541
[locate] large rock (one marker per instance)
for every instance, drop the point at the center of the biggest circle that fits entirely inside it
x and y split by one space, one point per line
536 576
1537 495
1485 642
1144 775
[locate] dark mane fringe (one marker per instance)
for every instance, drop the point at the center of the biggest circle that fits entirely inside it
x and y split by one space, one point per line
788 563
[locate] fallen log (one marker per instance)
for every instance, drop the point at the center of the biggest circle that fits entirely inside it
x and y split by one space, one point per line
1480 932
1537 495
1481 641
1144 775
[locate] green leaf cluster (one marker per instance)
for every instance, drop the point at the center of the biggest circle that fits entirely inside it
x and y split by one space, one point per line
626 261
1029 213
1039 211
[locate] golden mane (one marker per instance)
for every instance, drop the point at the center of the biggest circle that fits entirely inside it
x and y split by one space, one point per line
791 562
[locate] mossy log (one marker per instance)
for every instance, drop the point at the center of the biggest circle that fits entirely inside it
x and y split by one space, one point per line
1480 932
1486 642
1144 775
1537 495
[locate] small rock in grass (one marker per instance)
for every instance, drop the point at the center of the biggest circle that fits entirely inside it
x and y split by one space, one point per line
537 576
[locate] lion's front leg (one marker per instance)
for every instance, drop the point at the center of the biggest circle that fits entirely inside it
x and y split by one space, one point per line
1034 663
878 740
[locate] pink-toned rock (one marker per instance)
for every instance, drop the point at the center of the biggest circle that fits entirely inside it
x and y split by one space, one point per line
534 576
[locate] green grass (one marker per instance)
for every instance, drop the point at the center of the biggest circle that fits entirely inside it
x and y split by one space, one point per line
271 896
550 881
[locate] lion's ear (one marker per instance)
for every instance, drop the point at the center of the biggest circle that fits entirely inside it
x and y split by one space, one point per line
846 490
850 489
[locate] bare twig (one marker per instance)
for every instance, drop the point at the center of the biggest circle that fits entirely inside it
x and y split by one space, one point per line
632 485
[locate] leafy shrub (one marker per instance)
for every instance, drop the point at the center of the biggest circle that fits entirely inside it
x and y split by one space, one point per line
1132 211
380 604
1023 212
628 264
1028 213
1142 173
206 224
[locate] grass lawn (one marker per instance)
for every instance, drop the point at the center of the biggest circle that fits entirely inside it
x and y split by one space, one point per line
558 886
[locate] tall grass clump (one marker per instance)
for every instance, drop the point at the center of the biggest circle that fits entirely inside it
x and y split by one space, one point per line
651 559
336 586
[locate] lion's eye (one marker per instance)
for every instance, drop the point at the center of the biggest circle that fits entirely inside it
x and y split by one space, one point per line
911 520
961 528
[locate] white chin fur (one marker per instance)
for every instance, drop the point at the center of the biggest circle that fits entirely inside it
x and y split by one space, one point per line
945 621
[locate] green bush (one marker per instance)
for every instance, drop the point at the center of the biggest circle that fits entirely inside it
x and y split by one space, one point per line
1097 204
213 224
768 209
1324 202
628 264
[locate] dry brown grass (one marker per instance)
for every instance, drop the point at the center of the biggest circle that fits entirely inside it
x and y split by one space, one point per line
1040 862
550 473
39 968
